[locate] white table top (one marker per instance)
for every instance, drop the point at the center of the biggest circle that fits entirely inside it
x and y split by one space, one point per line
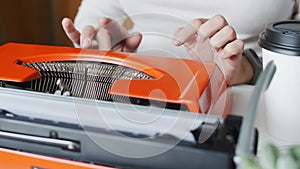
241 95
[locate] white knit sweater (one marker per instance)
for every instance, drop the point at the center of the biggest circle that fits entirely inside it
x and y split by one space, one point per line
158 19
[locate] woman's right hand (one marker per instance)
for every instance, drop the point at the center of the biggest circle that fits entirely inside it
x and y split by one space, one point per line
223 39
110 35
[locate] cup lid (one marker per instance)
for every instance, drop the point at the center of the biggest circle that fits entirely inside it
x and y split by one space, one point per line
282 37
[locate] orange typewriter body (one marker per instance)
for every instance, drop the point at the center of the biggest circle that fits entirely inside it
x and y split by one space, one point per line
173 80
17 160
194 85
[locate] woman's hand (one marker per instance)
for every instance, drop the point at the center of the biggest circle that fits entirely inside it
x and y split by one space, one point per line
110 35
226 48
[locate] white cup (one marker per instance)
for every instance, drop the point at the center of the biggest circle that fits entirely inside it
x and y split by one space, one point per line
281 43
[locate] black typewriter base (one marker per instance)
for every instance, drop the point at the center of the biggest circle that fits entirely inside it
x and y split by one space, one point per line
217 152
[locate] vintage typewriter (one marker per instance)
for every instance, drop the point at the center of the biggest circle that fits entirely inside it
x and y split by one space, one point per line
66 108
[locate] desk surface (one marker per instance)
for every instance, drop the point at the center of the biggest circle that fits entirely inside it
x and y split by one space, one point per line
241 95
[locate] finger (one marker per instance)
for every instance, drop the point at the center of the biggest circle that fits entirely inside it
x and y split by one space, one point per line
188 32
72 33
132 42
177 42
87 36
118 32
224 36
230 59
103 38
118 47
234 48
104 21
213 25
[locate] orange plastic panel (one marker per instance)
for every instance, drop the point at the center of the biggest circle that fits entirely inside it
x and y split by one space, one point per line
10 159
179 81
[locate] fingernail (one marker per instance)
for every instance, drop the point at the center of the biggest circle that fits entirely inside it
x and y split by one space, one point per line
176 42
86 43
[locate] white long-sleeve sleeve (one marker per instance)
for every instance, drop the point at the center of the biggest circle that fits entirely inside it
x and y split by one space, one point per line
90 11
158 20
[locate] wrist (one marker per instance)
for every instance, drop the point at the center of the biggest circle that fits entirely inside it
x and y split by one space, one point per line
254 67
244 73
